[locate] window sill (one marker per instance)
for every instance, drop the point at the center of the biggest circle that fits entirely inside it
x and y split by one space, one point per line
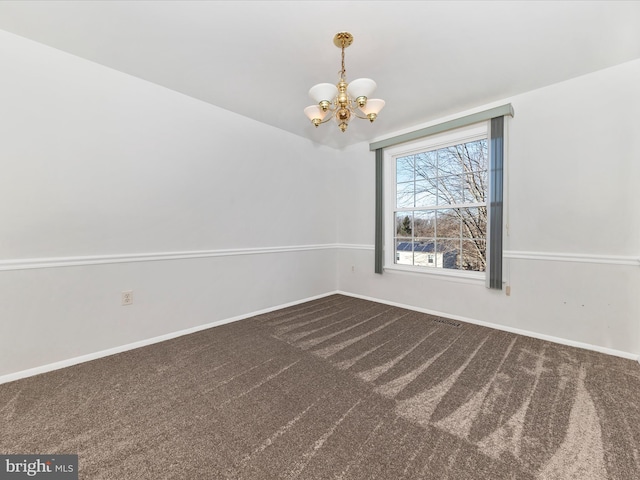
477 278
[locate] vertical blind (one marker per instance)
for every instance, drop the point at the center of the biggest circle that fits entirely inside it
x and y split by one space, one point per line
496 189
496 183
379 254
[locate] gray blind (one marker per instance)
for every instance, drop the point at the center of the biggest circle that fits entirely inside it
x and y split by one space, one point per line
379 213
496 189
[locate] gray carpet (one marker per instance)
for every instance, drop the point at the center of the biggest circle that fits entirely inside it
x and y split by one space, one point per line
337 388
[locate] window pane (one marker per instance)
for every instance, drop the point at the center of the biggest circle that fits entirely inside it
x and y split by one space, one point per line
404 224
451 256
426 193
474 255
424 252
475 186
448 253
404 169
448 223
450 190
405 196
426 166
450 160
424 224
474 155
474 222
404 251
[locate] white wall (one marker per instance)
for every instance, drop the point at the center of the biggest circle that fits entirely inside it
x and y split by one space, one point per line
110 183
573 241
100 167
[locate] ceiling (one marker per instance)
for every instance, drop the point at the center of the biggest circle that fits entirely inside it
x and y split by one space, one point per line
259 58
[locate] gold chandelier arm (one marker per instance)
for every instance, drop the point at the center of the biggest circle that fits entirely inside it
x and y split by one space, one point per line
328 117
355 114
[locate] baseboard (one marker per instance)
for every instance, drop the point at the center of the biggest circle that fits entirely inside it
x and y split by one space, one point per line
143 343
526 333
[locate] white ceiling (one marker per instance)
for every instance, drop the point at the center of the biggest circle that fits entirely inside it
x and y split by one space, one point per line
259 58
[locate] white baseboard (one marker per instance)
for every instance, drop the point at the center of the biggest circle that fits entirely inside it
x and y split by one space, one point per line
143 343
526 333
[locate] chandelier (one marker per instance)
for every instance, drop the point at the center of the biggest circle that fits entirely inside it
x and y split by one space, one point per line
344 100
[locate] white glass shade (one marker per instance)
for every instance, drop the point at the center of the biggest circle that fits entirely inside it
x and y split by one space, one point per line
374 105
323 92
361 87
313 112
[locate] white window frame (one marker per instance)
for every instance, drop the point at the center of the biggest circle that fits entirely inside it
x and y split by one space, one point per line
453 137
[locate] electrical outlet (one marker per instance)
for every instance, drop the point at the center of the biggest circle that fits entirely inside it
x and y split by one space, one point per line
127 297
353 268
508 290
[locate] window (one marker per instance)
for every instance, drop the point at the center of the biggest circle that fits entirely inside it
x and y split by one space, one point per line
436 202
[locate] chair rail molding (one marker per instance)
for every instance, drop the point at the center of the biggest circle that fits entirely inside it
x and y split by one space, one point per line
57 262
574 257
